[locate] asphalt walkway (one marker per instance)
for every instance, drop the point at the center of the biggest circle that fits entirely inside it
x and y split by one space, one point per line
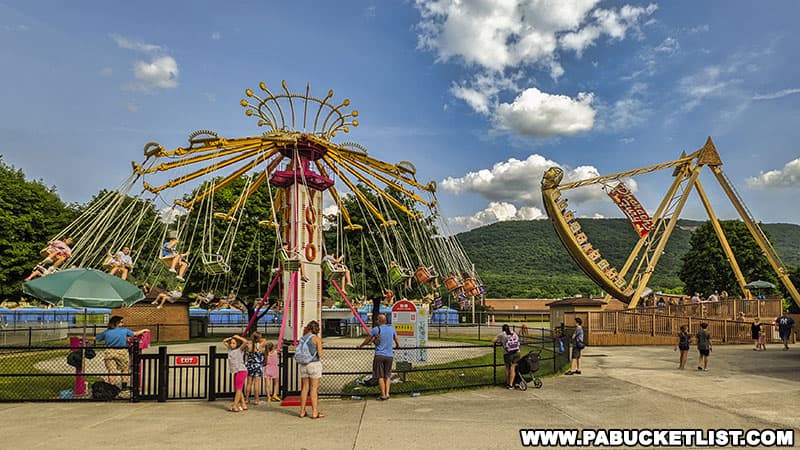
621 387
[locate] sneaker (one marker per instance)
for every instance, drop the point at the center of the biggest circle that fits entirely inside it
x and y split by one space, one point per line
173 270
180 278
699 368
705 370
577 372
569 373
510 387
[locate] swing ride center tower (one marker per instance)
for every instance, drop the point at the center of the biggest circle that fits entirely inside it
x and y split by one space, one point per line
295 155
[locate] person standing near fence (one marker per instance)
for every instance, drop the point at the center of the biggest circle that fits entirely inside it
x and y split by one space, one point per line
307 354
236 366
116 356
578 344
385 338
703 347
511 356
271 372
785 324
755 333
254 361
684 339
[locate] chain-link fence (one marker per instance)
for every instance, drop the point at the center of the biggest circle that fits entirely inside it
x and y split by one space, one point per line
60 372
64 373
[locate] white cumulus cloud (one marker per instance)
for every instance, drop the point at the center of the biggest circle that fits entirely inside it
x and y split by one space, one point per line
787 177
158 71
498 34
492 38
497 212
537 113
518 181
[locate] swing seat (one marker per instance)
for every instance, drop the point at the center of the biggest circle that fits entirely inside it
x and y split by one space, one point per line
214 264
398 275
575 227
603 264
470 287
569 216
423 275
331 272
452 283
581 238
167 260
287 263
44 252
107 261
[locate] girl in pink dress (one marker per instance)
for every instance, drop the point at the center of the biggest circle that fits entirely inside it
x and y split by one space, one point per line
271 372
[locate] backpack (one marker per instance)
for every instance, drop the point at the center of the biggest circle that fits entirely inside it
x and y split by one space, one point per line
703 341
512 343
104 391
301 353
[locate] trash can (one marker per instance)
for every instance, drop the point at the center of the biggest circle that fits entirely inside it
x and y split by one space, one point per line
198 326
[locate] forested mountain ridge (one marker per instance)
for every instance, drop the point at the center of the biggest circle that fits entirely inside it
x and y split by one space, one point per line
525 259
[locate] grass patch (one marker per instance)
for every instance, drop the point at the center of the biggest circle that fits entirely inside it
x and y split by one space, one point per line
461 374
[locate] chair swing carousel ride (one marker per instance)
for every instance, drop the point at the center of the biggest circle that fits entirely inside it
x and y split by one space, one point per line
295 163
653 232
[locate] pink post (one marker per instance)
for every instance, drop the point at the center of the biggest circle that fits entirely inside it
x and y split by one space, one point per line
76 344
355 312
263 300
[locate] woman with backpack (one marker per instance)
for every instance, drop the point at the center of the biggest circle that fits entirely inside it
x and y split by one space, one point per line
510 342
578 344
307 354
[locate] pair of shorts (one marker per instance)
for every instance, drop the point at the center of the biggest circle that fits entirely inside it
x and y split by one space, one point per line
683 348
785 334
382 367
511 358
310 370
117 359
238 380
704 351
576 353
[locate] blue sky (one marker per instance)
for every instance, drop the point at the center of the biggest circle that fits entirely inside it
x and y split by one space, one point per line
481 95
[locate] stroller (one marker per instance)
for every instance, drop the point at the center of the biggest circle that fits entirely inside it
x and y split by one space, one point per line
528 365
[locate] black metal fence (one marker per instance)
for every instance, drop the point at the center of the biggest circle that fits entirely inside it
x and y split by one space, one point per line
39 373
63 373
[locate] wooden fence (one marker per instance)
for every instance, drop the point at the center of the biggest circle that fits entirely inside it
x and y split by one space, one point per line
634 328
767 308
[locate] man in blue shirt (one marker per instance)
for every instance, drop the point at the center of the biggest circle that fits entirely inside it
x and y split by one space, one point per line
385 338
116 355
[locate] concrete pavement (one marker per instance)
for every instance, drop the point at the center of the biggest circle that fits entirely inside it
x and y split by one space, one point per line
621 387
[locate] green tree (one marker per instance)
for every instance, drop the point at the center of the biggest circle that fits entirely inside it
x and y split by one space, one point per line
247 247
30 214
705 268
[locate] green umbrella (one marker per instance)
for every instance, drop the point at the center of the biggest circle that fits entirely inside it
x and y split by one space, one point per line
759 284
83 288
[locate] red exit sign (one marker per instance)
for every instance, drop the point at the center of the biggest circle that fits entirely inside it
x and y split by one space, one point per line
187 360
